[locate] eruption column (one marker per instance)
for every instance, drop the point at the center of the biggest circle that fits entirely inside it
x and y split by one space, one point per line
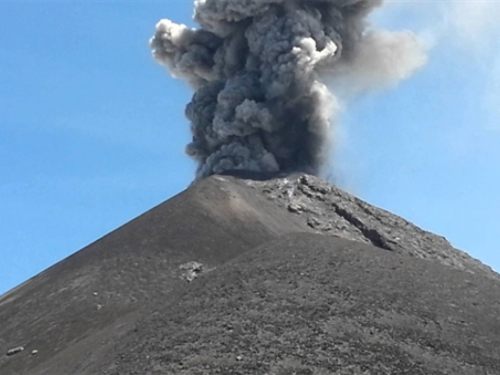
255 65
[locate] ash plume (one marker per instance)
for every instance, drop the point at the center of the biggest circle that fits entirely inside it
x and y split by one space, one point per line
256 66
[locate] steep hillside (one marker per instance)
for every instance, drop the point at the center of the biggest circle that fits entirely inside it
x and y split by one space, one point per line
79 315
97 292
311 304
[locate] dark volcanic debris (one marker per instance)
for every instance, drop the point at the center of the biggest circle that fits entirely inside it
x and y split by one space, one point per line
258 274
333 309
330 210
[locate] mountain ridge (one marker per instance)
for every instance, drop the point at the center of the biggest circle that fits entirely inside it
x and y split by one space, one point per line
77 313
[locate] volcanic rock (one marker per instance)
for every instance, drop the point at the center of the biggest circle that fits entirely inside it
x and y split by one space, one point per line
288 274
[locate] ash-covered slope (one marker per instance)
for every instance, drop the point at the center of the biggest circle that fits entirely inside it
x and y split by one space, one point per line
330 210
92 297
83 315
308 304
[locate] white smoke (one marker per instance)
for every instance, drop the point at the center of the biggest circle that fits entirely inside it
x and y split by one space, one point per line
477 24
256 65
475 21
382 60
470 30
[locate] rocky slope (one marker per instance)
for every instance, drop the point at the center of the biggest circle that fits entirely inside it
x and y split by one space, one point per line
330 210
308 304
119 305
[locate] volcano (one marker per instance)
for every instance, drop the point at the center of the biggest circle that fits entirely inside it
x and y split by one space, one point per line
257 274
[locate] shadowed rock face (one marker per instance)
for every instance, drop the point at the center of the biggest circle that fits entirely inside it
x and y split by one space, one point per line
240 274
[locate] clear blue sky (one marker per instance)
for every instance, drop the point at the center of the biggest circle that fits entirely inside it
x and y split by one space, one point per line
92 130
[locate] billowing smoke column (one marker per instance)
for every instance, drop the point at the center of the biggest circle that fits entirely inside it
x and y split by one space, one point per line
255 65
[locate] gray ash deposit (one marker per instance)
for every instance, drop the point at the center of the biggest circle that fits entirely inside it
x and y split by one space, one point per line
260 275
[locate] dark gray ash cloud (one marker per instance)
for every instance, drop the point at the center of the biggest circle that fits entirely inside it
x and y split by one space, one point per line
256 66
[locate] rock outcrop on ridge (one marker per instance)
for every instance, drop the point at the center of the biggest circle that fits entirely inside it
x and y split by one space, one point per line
252 274
332 211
